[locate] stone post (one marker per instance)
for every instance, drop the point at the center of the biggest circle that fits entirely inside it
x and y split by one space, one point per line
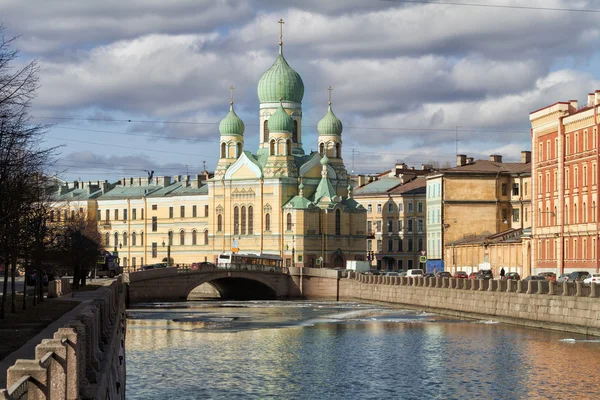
540 287
509 285
445 282
593 289
565 288
72 361
492 286
519 286
38 383
475 284
438 282
52 354
551 288
53 289
578 287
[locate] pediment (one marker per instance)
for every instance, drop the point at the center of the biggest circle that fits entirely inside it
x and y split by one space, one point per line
312 168
243 168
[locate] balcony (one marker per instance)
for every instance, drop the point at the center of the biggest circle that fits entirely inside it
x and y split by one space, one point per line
106 224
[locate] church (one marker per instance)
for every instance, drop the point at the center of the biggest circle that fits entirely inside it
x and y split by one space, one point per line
280 200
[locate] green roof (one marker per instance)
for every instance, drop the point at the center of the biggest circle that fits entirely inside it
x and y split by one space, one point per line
325 189
280 121
291 88
379 186
231 124
330 124
299 202
124 192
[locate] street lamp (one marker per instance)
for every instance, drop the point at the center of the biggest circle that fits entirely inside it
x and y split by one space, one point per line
168 252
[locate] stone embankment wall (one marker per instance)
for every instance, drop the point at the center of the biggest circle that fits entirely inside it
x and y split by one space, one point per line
59 287
85 359
571 307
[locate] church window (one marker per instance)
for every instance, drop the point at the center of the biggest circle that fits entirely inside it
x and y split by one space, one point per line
239 150
243 230
266 131
272 148
289 222
338 222
206 237
322 149
338 150
223 150
133 239
295 132
289 147
236 220
219 223
250 221
182 238
194 237
267 222
107 239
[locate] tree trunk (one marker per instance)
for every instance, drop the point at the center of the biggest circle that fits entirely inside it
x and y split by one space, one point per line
5 288
40 282
13 297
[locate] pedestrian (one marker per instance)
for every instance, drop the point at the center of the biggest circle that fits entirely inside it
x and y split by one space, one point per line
502 273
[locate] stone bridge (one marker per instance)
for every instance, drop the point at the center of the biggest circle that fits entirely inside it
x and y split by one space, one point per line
169 284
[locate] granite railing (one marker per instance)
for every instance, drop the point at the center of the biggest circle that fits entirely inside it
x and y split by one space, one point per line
85 359
59 287
577 289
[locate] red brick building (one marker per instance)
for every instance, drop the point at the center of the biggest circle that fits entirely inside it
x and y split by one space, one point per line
564 178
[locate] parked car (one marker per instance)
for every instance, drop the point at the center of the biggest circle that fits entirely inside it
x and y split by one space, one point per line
392 273
153 266
443 274
401 273
31 278
578 276
562 278
372 272
549 276
592 278
472 275
204 265
512 276
429 275
414 273
534 278
460 275
484 274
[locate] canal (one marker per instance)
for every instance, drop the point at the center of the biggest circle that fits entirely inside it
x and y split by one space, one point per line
330 350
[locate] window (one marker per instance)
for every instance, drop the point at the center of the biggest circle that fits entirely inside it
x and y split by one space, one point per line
338 222
116 244
567 145
410 244
584 213
243 230
265 131
410 206
124 214
219 223
267 222
390 245
390 207
154 207
420 225
182 238
400 207
154 250
369 209
289 222
170 212
133 262
154 224
399 264
72 215
504 189
378 208
410 225
141 238
420 207
182 211
400 225
567 178
379 245
525 189
585 177
205 237
400 245
575 178
170 237
515 189
116 215
378 226
236 220
594 171
420 244
369 245
516 215
133 214
142 216
576 144
410 264
250 220
206 211
133 239
390 225
107 239
125 237
194 237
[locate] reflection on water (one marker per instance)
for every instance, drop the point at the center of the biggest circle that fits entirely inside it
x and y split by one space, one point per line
329 350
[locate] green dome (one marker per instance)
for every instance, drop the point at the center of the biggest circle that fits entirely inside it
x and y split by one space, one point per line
231 124
329 124
280 121
325 160
292 87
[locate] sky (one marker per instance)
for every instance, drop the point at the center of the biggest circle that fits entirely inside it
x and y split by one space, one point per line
139 85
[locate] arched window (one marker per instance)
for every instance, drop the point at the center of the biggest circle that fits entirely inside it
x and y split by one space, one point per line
243 230
547 217
194 237
272 148
321 149
566 213
267 222
338 150
236 220
141 238
223 150
133 239
250 220
289 147
170 238
338 222
219 223
593 211
575 216
295 132
289 221
106 239
116 239
205 237
125 237
266 131
182 238
584 214
239 150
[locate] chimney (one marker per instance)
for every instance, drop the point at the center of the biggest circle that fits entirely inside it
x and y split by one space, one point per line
469 160
143 181
195 182
574 104
591 99
163 181
525 157
597 97
461 159
496 158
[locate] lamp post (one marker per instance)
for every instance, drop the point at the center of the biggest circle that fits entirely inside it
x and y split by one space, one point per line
168 251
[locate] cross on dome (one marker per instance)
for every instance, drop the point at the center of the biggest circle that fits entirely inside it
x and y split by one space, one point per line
281 31
231 88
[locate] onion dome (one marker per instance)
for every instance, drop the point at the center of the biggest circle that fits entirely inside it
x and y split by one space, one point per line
280 121
231 124
291 88
324 160
301 186
329 125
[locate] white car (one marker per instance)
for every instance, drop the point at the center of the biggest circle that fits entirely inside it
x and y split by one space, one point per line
593 278
414 272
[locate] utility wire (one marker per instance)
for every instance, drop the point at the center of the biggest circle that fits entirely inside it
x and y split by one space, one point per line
529 8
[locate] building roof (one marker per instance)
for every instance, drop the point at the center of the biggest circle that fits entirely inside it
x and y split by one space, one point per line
380 186
489 167
299 202
280 81
413 187
125 192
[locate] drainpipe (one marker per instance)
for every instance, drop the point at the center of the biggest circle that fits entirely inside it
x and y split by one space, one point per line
561 199
597 178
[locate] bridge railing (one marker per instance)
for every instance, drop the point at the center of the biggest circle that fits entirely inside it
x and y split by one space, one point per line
240 267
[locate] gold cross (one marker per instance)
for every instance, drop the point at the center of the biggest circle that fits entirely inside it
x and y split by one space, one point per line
329 89
281 31
231 95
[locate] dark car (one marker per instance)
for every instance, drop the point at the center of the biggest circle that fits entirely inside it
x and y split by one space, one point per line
429 275
534 278
443 274
549 276
460 275
31 278
512 276
473 275
373 272
484 274
577 276
562 278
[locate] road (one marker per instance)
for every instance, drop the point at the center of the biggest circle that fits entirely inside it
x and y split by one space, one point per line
19 283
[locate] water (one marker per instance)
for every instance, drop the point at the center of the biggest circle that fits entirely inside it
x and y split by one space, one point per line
327 350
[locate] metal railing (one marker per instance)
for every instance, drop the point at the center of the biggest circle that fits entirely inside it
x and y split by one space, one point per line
239 267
